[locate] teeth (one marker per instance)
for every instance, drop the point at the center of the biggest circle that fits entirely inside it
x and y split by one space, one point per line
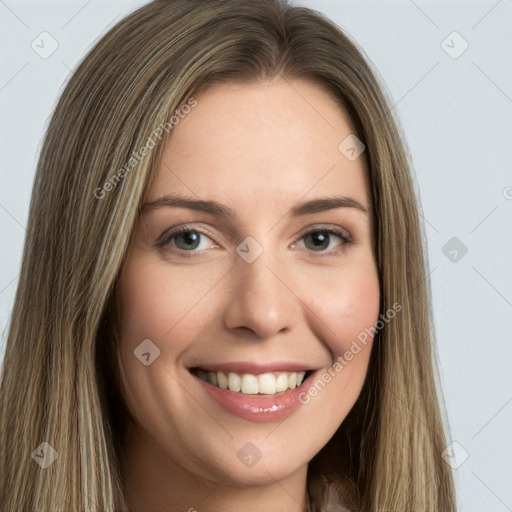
234 382
249 384
267 384
282 382
222 380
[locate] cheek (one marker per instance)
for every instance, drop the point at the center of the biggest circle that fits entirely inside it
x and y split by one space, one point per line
357 304
348 302
157 303
348 305
165 306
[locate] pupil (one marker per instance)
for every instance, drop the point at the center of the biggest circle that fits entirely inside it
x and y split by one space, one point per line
320 240
190 238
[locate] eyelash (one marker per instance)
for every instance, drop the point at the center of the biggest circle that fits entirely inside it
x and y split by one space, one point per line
173 232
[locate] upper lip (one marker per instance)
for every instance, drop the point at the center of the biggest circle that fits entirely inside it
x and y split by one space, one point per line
255 367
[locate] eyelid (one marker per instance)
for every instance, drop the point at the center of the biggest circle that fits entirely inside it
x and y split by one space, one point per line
329 228
173 231
180 228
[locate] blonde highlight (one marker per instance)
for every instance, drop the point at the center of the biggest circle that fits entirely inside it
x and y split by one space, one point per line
60 374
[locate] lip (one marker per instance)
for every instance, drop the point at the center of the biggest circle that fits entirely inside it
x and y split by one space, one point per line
265 409
256 368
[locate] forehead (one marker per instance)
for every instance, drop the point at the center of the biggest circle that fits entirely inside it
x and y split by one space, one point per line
249 144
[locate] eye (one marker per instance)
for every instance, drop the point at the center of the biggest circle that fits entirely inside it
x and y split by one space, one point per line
325 239
185 239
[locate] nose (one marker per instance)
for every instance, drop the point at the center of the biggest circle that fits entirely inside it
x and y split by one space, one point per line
261 300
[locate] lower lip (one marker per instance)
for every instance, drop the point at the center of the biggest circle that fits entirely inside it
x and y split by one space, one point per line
270 408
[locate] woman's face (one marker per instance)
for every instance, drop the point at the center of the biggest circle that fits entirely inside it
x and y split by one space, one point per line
256 291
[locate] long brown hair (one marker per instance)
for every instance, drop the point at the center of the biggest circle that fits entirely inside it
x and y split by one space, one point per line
59 376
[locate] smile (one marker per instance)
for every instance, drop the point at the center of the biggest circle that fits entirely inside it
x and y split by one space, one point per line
268 383
258 392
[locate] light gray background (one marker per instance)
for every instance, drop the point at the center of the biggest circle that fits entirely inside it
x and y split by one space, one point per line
456 114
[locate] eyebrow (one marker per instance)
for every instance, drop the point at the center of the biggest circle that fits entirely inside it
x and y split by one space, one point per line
314 206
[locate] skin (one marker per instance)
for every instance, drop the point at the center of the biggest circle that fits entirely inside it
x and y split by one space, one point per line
259 149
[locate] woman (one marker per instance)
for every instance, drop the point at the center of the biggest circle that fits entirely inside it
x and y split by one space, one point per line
222 304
